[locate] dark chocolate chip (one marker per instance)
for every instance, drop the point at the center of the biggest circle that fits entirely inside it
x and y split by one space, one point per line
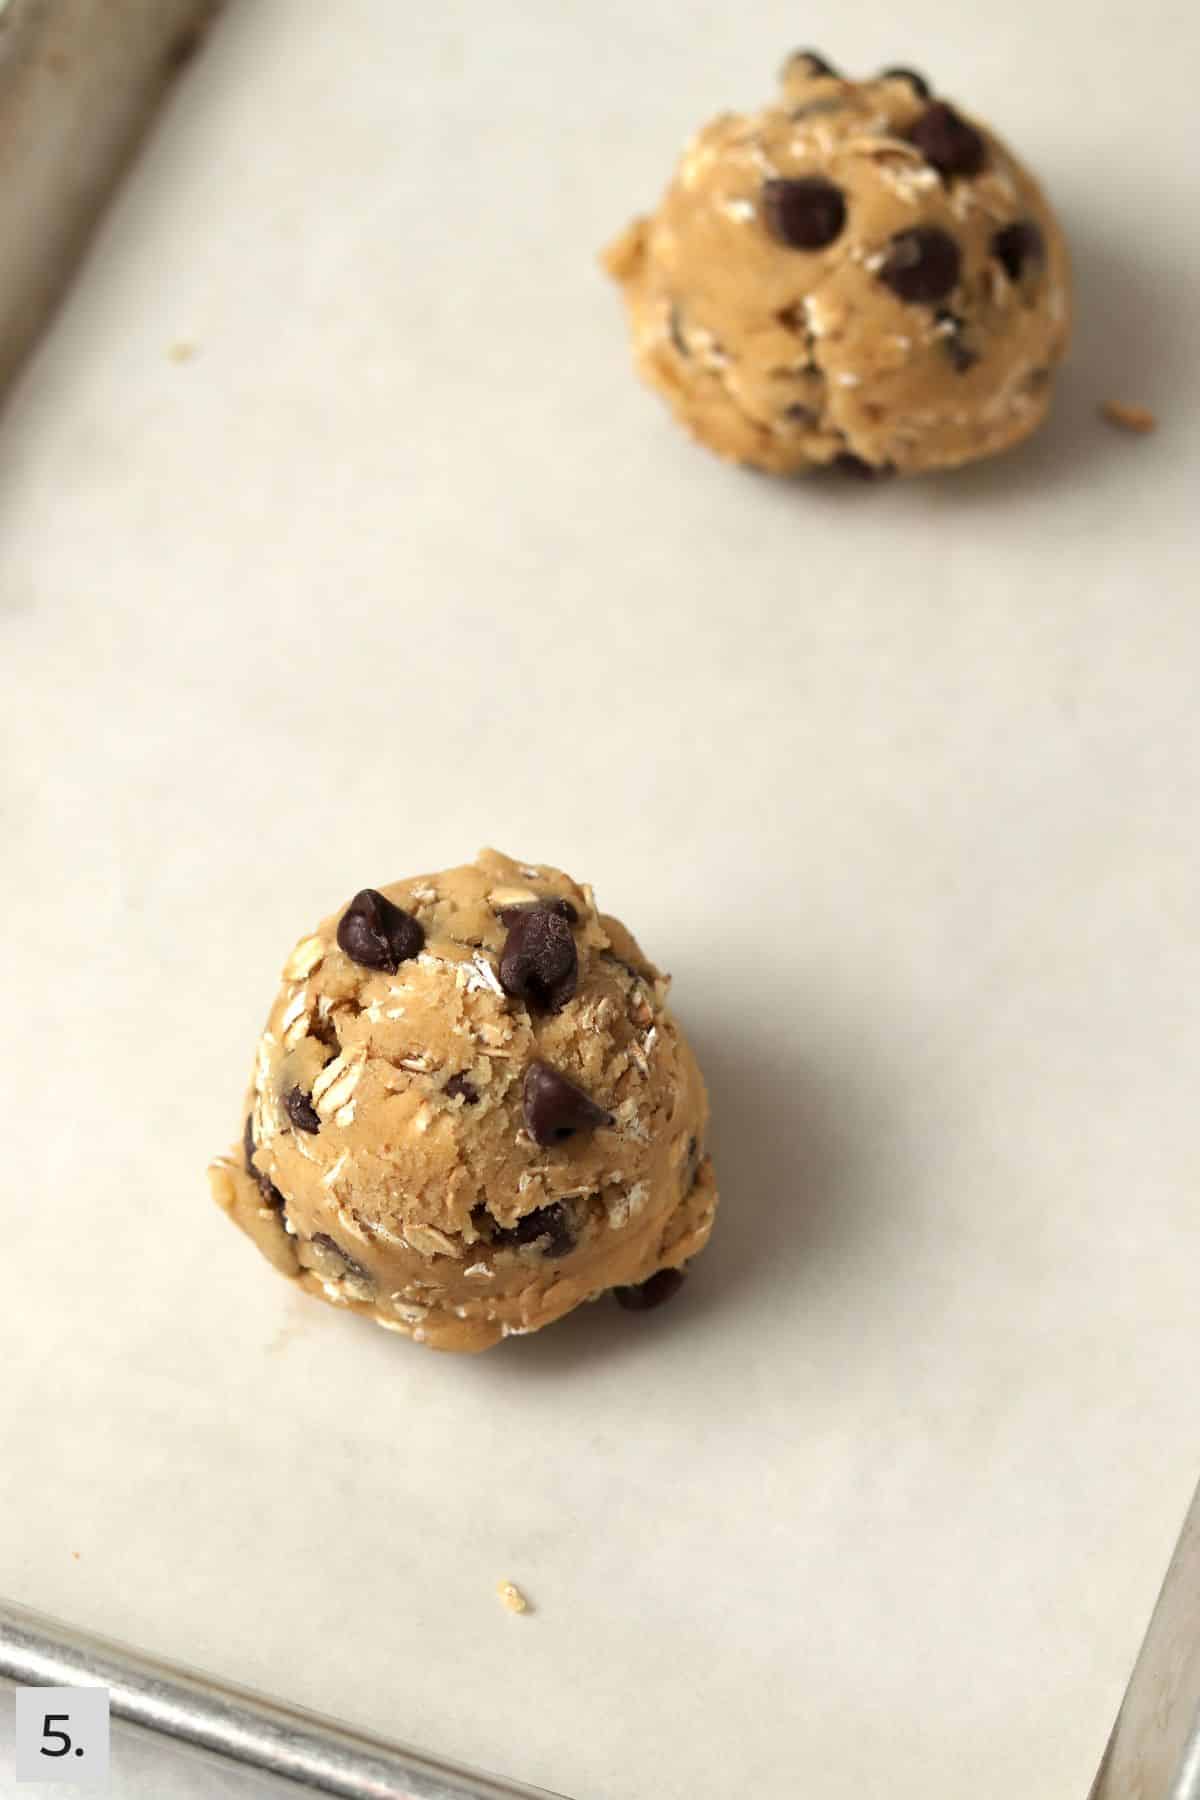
538 963
300 1110
376 934
846 463
323 1241
461 1087
815 63
325 1031
566 909
805 213
270 1193
793 318
917 83
798 414
649 1294
1019 247
962 356
555 1109
553 1222
266 1186
922 265
946 140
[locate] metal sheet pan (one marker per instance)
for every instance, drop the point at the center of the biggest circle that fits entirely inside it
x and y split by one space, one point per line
900 785
230 1725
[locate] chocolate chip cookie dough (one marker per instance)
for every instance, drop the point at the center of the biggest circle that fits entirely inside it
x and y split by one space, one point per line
471 1110
858 275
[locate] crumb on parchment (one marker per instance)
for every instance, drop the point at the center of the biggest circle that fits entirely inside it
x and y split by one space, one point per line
512 1597
182 351
1138 419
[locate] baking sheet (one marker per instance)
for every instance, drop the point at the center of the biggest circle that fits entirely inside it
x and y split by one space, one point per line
79 82
335 540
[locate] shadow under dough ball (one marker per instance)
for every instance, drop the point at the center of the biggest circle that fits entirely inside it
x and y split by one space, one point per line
858 277
471 1110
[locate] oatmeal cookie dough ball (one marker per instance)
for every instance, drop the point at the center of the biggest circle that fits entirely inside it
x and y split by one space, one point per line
859 274
471 1110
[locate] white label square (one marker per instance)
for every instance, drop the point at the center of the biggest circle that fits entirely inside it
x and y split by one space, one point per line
62 1735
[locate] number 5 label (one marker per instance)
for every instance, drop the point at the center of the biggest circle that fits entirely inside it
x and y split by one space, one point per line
62 1735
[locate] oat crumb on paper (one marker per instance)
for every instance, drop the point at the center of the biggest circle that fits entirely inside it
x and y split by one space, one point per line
182 352
1138 419
512 1597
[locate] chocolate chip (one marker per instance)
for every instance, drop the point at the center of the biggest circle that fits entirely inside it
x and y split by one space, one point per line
553 1222
300 1110
323 1241
799 414
651 1293
922 265
538 963
917 83
266 1186
1019 247
566 909
675 330
555 1108
946 140
846 463
461 1087
814 63
805 213
962 356
376 934
324 1029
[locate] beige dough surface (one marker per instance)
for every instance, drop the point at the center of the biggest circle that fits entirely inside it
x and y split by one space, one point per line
420 1197
786 357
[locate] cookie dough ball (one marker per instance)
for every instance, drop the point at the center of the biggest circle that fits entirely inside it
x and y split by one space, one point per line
471 1110
859 275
